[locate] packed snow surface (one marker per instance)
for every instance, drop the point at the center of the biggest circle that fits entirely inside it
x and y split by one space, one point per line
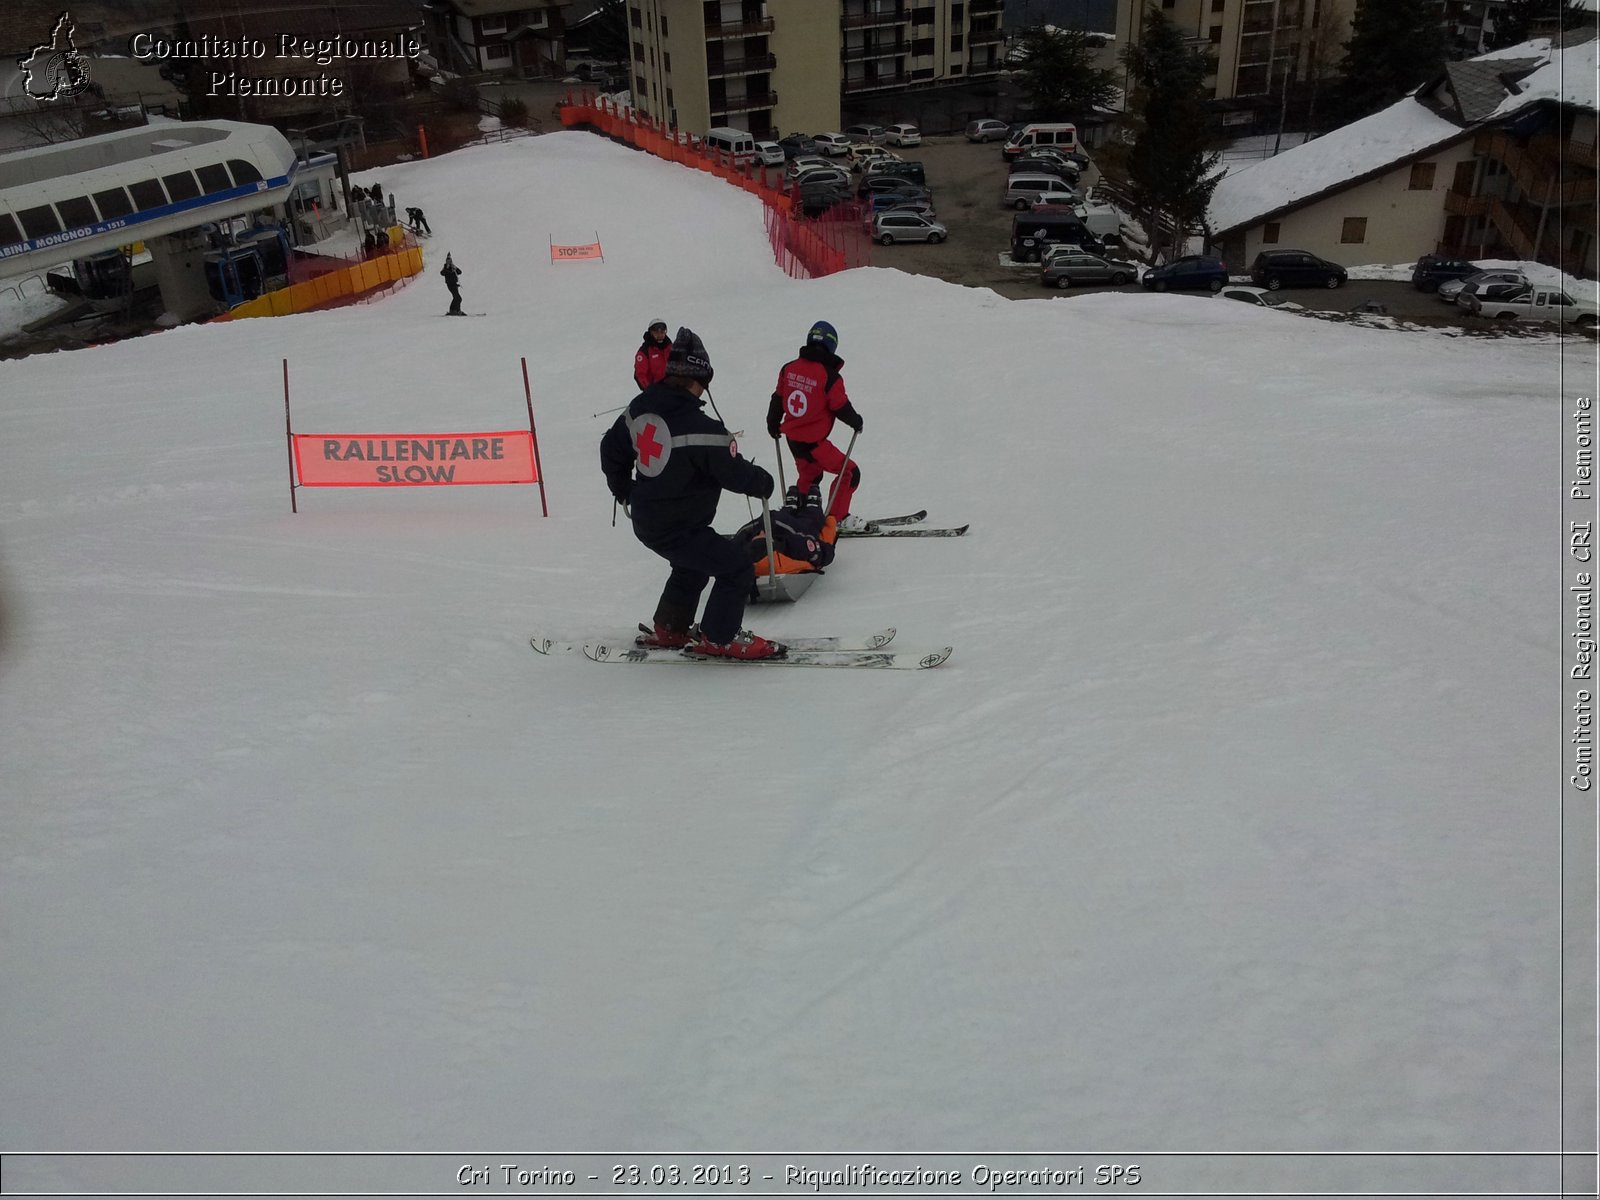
1230 824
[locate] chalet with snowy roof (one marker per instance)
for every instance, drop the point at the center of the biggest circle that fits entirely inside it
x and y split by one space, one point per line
515 37
1494 159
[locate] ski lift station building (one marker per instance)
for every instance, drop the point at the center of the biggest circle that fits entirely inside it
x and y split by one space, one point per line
172 186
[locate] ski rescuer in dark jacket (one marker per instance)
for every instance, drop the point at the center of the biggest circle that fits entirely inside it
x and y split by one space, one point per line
650 361
809 396
668 462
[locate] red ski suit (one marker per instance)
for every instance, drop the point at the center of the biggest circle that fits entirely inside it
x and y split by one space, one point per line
809 396
650 363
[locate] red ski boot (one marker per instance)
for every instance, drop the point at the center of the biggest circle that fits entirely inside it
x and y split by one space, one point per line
745 645
662 637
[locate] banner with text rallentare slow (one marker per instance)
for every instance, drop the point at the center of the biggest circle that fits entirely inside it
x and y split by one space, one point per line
414 459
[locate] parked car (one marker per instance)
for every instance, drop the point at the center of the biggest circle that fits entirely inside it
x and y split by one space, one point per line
863 155
1433 269
905 170
1069 270
987 129
1191 271
1066 199
904 135
1052 162
921 205
866 133
832 144
1057 250
873 182
1534 302
1453 290
805 162
911 195
796 144
1274 269
769 154
817 200
814 175
891 227
1250 294
1023 189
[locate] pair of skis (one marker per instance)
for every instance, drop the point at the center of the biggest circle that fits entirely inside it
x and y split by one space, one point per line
906 526
859 652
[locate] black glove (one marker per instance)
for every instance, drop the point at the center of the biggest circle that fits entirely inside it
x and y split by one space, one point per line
766 488
859 423
622 493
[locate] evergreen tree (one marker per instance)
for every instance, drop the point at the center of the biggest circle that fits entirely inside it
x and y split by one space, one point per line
1059 76
1171 171
608 32
1524 19
1394 46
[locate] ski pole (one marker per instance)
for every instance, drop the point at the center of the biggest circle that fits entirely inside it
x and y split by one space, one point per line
834 490
772 550
748 507
607 412
777 446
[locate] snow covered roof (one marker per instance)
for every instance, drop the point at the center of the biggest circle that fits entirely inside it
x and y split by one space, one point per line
1488 88
1333 161
1568 76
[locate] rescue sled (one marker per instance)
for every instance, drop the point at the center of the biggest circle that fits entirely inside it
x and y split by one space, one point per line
781 578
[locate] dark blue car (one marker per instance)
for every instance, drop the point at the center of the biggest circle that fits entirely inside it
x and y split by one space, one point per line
1193 271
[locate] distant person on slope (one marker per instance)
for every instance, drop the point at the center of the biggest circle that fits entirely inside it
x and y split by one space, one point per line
650 362
419 222
809 396
668 463
452 276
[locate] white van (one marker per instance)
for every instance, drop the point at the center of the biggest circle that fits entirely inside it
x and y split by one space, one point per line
734 144
1061 136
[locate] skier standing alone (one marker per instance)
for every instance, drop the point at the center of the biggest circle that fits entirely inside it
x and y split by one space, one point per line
669 462
452 277
810 395
650 362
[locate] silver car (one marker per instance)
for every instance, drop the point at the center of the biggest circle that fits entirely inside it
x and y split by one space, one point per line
894 225
987 130
1451 290
1067 270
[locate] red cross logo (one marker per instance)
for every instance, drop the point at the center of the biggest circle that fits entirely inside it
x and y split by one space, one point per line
647 445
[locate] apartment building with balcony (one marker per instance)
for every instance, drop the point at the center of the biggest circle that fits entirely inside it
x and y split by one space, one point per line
1258 45
1494 159
773 66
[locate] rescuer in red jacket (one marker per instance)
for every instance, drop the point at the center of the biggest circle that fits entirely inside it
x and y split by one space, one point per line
809 397
650 363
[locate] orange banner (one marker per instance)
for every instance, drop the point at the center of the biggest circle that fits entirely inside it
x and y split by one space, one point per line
560 253
414 459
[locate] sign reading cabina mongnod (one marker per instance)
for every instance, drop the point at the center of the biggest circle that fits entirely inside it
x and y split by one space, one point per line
412 459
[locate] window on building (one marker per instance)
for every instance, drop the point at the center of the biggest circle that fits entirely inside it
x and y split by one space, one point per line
1354 232
925 46
113 203
634 17
1169 3
671 103
957 11
498 52
1216 35
1269 233
663 24
492 24
76 212
39 222
148 194
922 16
638 53
1421 177
639 85
181 186
1219 5
955 43
666 60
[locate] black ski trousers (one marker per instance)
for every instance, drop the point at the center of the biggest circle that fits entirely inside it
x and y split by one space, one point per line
697 557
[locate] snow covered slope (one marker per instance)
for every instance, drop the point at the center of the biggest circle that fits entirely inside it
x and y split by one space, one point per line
1228 826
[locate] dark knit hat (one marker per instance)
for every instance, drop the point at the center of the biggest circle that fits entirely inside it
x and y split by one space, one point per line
688 358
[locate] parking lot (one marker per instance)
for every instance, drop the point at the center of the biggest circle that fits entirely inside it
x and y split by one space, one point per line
967 181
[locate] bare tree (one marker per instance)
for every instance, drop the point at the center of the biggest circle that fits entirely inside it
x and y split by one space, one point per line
1324 49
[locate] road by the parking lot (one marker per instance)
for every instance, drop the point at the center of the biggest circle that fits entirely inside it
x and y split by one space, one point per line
967 181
